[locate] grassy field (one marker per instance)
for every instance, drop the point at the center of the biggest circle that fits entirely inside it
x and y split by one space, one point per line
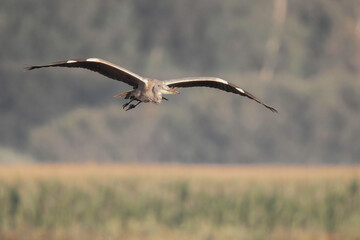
154 202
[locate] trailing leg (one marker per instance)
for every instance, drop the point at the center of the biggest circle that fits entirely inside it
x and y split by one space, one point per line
126 104
133 106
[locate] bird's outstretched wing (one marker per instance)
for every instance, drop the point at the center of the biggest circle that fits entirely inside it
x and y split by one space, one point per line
213 83
101 66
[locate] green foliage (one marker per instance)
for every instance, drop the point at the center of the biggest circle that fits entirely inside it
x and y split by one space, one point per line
181 205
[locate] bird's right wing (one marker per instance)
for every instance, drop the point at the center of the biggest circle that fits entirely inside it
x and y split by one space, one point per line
100 66
213 82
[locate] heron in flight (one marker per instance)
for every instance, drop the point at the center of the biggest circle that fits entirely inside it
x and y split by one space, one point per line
147 89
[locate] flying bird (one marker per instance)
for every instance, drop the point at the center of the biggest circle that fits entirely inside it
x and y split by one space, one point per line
147 89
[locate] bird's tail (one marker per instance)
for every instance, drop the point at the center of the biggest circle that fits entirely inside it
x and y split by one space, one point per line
124 94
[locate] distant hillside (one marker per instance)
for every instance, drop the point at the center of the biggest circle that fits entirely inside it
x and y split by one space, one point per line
63 114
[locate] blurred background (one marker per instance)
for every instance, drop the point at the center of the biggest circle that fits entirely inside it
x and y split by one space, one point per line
301 57
204 165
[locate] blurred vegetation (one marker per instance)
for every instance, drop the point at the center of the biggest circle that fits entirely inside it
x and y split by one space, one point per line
171 202
59 114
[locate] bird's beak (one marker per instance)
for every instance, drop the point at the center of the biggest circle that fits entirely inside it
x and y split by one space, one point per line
173 92
169 91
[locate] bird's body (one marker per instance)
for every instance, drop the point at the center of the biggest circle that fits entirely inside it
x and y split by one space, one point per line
147 89
150 92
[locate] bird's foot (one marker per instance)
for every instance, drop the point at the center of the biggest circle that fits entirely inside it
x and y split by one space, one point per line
125 105
130 107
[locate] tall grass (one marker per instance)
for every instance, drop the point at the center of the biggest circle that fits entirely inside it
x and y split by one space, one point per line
150 202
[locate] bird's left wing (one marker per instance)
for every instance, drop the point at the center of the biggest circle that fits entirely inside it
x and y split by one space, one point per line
213 82
101 66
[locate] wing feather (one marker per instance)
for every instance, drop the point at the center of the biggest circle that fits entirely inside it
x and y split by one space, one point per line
100 66
213 82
